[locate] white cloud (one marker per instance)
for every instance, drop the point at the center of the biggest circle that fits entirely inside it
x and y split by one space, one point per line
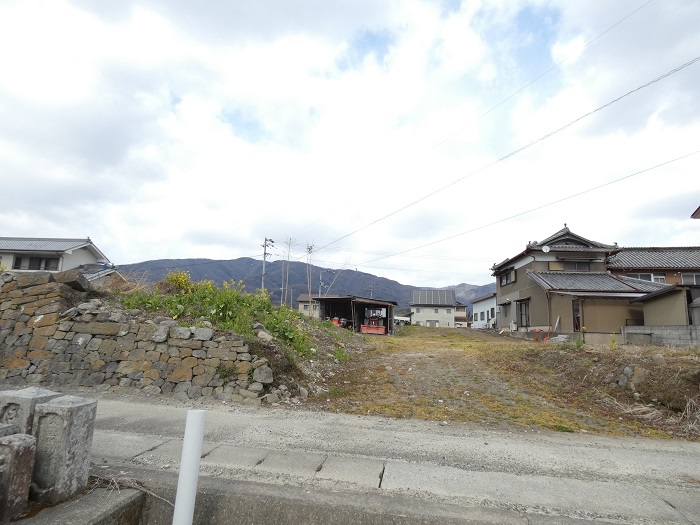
172 132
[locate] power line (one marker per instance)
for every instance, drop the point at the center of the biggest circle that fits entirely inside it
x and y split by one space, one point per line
578 194
541 75
512 153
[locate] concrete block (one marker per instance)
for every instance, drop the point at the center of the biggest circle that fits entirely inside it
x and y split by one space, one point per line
63 428
17 406
16 465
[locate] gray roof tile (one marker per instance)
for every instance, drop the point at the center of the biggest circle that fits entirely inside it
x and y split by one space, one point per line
433 297
24 244
591 282
656 258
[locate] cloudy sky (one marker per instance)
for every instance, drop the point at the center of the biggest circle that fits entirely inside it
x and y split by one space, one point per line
387 134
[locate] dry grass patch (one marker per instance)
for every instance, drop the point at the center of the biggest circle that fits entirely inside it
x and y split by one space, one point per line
471 376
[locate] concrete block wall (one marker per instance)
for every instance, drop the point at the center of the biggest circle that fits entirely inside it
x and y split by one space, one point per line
684 336
43 340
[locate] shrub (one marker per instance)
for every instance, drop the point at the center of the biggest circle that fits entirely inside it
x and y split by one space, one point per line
229 307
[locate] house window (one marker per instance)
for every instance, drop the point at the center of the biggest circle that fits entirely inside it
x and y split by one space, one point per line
448 310
575 266
641 276
418 311
436 311
35 263
481 315
524 313
306 307
690 278
504 309
493 313
576 310
652 277
507 278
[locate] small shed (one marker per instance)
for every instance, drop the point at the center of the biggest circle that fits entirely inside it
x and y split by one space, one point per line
361 314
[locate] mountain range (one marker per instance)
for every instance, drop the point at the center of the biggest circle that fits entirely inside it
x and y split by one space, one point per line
285 281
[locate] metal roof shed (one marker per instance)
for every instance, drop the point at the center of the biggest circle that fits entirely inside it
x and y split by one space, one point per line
365 315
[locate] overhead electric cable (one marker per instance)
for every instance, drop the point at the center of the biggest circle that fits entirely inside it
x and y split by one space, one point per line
512 153
541 75
555 66
551 203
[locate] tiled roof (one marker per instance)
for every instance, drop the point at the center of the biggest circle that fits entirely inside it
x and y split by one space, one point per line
23 244
591 282
484 297
433 297
656 258
563 239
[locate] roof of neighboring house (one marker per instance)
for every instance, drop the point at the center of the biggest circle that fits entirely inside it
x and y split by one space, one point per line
304 297
433 297
663 291
27 244
484 297
592 282
355 298
653 258
562 241
696 214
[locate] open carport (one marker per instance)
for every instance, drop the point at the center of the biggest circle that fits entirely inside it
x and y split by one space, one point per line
362 314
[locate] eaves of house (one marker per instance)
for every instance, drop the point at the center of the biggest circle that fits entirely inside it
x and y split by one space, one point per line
593 284
57 246
562 241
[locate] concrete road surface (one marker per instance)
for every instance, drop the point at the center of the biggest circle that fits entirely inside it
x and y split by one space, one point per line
508 476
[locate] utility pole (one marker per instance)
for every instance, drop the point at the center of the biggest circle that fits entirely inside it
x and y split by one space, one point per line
267 244
309 251
285 284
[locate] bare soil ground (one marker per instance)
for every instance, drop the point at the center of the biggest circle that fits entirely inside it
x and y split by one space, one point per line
469 375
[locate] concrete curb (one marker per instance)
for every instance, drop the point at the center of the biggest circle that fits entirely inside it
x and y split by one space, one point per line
98 507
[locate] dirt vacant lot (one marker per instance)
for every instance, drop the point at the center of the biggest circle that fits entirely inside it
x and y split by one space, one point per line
467 375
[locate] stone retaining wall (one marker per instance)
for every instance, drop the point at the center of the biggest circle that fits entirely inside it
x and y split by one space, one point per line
43 340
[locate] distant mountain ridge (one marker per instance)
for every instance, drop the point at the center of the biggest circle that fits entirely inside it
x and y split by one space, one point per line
335 282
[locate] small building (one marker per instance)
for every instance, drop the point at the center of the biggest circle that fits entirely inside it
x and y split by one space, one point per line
308 305
25 254
484 311
436 308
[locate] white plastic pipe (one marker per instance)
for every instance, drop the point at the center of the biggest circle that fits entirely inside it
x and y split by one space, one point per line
189 468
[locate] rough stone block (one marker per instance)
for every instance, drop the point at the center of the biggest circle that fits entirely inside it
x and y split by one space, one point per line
25 280
17 454
203 334
63 428
73 278
7 429
17 407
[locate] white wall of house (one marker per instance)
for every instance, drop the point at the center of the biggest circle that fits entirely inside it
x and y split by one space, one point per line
484 313
66 261
441 316
78 257
305 308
